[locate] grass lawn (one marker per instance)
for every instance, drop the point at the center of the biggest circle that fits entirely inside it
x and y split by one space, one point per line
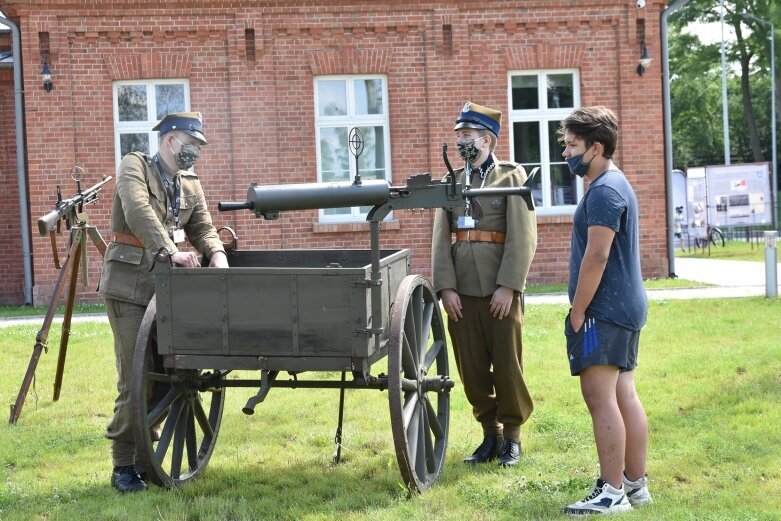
732 250
709 376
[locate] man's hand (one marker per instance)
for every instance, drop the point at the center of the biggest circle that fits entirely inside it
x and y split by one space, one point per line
188 259
501 301
219 260
452 304
576 319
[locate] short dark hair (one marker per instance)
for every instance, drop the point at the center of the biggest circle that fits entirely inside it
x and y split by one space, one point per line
593 125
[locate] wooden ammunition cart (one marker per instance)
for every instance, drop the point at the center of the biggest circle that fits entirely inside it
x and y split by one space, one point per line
291 311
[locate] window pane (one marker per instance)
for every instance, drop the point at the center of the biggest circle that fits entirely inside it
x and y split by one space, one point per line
524 92
332 97
334 155
555 148
133 143
132 102
526 135
368 96
371 162
563 185
169 98
337 211
560 91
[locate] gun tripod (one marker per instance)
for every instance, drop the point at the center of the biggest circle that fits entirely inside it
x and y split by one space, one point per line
77 256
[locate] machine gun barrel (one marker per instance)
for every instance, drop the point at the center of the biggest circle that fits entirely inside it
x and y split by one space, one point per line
66 209
270 199
419 192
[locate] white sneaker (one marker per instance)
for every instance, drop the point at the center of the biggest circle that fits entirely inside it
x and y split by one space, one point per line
637 491
604 499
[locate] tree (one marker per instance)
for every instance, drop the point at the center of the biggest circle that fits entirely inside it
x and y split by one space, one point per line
695 86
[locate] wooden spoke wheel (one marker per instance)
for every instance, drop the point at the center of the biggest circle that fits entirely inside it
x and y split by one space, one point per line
418 383
176 413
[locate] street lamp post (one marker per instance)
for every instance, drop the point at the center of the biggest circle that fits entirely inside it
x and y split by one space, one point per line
724 101
773 112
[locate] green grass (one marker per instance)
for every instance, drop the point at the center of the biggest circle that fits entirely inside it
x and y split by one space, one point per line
34 311
709 376
541 289
732 250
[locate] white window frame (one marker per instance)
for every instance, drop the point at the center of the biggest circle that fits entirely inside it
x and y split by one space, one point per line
543 115
141 127
349 121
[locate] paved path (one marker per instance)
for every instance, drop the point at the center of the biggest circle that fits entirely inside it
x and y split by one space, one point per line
728 278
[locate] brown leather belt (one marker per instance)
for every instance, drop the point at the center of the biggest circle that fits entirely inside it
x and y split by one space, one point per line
480 236
126 238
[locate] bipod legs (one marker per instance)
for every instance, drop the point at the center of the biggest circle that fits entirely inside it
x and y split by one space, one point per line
338 436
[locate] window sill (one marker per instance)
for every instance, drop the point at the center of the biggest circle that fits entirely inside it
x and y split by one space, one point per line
361 226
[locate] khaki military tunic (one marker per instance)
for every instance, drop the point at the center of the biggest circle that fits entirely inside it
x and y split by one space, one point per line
489 350
140 208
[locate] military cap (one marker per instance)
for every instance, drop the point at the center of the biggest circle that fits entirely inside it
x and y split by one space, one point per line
188 122
479 117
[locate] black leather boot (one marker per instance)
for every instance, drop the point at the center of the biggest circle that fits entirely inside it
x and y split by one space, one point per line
125 479
487 451
510 454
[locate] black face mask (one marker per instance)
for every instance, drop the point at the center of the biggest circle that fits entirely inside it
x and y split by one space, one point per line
467 149
187 156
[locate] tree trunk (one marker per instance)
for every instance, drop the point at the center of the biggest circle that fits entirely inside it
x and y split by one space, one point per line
745 89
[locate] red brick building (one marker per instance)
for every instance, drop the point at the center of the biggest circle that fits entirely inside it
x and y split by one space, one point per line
281 82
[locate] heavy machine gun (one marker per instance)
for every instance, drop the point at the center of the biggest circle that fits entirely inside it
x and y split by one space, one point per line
419 192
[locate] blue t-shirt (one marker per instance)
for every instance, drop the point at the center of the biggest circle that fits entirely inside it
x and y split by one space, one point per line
620 297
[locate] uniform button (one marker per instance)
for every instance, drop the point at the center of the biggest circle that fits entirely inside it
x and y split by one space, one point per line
121 256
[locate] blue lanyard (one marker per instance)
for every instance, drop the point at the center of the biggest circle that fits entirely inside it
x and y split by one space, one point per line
174 193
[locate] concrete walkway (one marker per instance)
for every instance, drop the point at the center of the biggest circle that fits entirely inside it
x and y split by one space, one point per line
727 278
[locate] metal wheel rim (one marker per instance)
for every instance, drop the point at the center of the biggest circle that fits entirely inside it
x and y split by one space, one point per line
417 351
190 418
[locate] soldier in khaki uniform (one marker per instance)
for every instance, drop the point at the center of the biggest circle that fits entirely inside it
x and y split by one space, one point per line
157 204
480 278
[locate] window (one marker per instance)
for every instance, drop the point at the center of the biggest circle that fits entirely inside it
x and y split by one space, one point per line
138 106
539 100
341 103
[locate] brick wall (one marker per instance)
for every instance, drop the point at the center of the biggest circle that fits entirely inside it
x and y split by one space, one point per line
258 102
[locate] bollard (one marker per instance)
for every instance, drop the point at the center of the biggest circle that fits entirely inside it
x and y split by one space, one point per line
771 284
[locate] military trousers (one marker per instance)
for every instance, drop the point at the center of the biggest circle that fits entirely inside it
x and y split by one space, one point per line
125 319
489 357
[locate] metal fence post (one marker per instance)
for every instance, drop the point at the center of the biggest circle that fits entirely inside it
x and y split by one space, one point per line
771 281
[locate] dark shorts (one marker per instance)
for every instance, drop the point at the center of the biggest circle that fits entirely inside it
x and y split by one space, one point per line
601 343
677 235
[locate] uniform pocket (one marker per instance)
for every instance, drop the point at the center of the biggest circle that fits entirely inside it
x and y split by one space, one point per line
122 266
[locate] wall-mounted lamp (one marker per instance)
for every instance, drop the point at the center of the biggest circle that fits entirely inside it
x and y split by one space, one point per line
46 77
645 61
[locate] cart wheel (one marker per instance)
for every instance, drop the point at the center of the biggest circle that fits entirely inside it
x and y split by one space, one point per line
418 383
183 406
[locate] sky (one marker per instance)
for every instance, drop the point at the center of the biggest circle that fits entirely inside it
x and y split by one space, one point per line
710 33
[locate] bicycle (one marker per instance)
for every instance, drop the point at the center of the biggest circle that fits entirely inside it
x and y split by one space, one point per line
713 235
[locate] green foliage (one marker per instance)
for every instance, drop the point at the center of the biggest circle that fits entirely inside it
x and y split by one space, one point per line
696 84
710 379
